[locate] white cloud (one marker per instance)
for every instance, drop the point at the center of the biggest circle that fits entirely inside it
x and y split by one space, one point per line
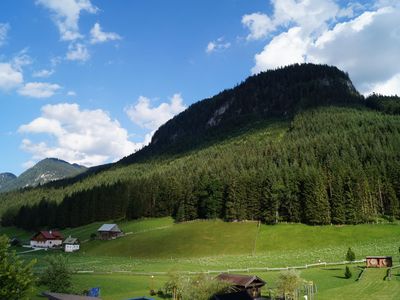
259 25
389 87
366 46
4 28
71 93
21 59
151 118
10 77
287 48
311 15
87 137
78 52
217 45
43 73
99 36
39 89
66 13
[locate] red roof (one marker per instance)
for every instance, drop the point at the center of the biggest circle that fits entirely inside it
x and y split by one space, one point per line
50 235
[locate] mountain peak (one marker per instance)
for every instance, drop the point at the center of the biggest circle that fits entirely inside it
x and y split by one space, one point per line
46 170
274 94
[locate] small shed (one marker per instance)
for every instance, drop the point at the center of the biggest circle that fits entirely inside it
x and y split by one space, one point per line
59 296
250 283
379 261
47 239
71 244
109 231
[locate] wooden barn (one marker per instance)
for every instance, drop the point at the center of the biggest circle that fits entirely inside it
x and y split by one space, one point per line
109 231
250 283
47 239
378 261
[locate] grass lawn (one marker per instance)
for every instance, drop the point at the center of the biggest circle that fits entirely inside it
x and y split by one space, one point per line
330 283
12 232
159 245
84 232
192 239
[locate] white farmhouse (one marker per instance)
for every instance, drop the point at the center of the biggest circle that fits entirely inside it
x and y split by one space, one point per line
47 239
71 244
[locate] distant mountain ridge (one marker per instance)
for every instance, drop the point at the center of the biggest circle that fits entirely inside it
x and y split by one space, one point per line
5 178
46 170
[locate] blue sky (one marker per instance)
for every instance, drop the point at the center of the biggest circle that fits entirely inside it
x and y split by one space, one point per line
89 81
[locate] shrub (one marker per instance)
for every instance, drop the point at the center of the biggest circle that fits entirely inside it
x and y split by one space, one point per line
58 275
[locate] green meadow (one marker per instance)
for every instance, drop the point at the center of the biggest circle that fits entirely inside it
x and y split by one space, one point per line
122 267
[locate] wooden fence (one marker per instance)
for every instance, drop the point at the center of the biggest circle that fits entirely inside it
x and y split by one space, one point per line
246 270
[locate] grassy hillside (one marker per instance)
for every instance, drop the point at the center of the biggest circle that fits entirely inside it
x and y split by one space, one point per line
155 245
193 239
329 281
160 244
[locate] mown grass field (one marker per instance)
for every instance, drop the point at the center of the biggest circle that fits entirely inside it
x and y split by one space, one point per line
330 284
159 245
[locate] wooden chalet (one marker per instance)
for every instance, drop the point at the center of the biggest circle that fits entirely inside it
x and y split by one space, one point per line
47 239
59 296
71 244
379 261
250 283
109 231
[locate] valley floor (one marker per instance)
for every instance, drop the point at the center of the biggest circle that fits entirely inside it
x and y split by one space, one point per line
122 267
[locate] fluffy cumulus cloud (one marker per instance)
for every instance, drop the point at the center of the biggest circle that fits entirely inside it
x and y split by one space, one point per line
87 137
259 25
10 77
218 45
367 47
99 36
39 89
66 13
387 87
362 39
77 52
4 27
146 116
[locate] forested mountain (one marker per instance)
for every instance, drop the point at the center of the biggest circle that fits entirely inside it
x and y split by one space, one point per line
6 177
316 160
46 170
275 94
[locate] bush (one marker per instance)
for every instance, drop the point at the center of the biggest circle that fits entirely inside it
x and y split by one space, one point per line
347 272
58 275
288 283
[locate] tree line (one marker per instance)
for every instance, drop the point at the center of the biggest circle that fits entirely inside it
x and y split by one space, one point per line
328 165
